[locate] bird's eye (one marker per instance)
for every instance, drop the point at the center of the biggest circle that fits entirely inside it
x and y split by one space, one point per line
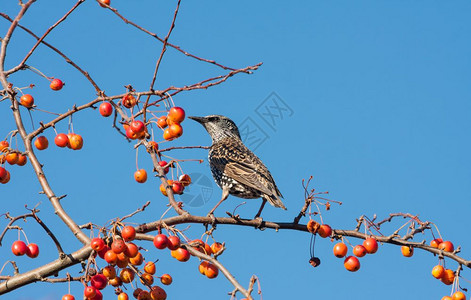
212 119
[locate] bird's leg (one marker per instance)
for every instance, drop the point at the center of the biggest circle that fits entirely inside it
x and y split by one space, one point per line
257 216
225 194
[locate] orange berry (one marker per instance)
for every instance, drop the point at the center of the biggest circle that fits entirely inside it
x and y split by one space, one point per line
111 257
438 271
181 254
123 296
12 158
352 264
446 246
203 266
75 141
147 279
22 160
150 267
41 143
162 122
407 251
211 271
340 250
137 260
126 275
216 247
448 277
175 130
434 243
167 135
458 295
176 114
109 271
140 176
27 100
166 279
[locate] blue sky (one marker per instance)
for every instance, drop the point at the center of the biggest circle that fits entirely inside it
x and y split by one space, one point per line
378 103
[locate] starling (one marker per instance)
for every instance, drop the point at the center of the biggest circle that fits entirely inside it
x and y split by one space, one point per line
236 170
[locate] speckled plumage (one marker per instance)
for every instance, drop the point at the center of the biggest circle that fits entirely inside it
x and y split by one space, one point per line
234 167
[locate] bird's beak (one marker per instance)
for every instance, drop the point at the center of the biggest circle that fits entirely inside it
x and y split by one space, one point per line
200 120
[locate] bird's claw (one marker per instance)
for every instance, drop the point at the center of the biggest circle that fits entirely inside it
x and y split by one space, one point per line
213 219
260 222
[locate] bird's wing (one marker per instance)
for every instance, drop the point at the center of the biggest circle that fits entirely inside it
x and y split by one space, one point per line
239 163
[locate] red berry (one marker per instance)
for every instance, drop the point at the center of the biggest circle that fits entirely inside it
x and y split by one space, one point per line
102 252
130 134
19 248
56 84
359 251
131 250
324 231
89 292
3 173
97 244
173 242
103 3
99 281
61 140
177 187
106 109
128 233
137 126
160 241
98 296
118 246
5 179
3 145
163 163
129 101
33 250
371 245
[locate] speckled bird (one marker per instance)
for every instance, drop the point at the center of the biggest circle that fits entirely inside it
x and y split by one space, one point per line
236 170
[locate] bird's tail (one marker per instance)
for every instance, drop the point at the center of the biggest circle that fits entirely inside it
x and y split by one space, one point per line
274 200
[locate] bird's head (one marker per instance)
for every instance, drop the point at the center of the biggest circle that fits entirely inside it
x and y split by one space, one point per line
218 127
